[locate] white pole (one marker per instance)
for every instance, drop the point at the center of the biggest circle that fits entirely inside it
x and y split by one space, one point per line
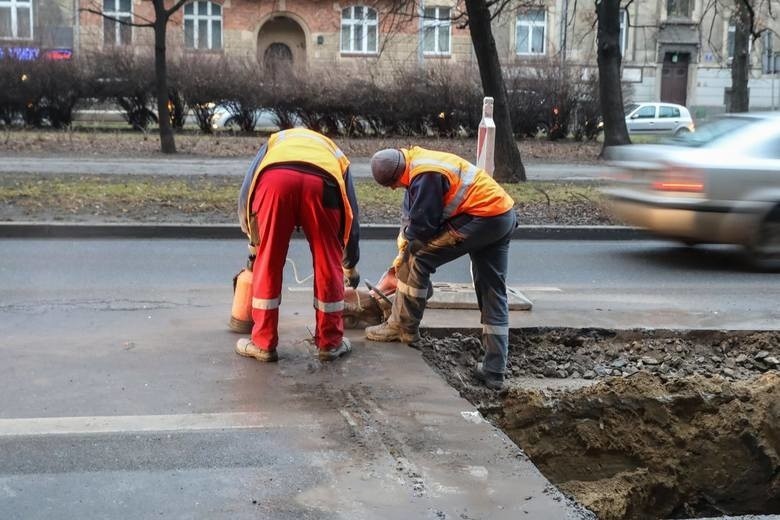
486 138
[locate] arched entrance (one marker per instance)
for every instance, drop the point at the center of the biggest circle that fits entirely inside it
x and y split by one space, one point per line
281 46
277 60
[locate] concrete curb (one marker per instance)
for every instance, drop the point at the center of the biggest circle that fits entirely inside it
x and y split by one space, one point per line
230 231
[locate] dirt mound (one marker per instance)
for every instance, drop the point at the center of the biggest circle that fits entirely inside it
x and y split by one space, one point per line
639 447
672 439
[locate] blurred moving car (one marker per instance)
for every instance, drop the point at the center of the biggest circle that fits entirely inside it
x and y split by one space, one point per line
720 184
658 119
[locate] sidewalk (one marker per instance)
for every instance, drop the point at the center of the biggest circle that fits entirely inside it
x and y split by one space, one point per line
188 165
196 431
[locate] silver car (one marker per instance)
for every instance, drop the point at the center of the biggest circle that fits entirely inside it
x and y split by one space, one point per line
720 184
658 119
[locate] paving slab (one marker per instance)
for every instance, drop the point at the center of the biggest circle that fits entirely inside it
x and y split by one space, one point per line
452 295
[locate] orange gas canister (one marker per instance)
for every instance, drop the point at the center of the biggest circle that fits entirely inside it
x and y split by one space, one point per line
241 315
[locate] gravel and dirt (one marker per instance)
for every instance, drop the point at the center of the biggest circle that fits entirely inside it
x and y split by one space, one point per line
638 424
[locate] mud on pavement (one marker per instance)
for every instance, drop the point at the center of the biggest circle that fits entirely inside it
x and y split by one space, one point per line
668 424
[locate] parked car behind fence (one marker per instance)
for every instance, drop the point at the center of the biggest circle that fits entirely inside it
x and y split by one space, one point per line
658 119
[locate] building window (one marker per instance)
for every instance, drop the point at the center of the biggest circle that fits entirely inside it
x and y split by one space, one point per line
436 30
359 30
530 32
203 25
115 33
678 8
16 19
730 40
623 32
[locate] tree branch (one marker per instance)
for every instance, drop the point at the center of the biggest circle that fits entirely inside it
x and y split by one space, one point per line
175 7
117 20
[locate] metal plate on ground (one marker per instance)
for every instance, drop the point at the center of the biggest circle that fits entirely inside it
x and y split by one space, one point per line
448 295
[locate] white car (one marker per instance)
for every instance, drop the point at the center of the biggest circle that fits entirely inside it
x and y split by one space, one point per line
224 120
658 119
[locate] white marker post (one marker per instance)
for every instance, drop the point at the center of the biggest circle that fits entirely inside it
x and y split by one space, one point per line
486 138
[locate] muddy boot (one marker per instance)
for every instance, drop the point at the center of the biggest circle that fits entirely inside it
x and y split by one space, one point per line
390 331
491 380
335 353
245 347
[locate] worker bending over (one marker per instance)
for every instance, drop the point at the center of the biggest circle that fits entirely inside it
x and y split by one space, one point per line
299 178
451 208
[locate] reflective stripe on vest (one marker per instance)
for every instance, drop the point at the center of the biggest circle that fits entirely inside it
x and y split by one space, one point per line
414 292
266 304
495 330
329 306
471 191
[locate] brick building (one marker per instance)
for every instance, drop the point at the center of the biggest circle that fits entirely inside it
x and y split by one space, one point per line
675 50
304 34
30 29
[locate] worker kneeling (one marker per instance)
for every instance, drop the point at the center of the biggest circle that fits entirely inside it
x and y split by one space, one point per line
451 208
299 178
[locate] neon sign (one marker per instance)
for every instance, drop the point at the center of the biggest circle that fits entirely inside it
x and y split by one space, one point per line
33 53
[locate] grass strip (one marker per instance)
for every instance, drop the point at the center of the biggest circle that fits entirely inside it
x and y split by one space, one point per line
96 194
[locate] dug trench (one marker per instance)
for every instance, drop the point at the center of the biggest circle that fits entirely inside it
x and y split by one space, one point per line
640 423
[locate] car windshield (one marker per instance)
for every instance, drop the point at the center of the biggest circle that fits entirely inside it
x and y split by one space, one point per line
710 132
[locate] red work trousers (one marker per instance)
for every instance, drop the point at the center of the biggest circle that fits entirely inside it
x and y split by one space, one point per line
284 199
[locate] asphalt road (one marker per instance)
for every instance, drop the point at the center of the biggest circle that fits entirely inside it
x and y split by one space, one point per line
237 166
120 396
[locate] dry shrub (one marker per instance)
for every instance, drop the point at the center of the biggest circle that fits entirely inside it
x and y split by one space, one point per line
40 92
126 79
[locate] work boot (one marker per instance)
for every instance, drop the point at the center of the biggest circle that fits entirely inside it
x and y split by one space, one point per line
245 347
335 353
492 380
391 331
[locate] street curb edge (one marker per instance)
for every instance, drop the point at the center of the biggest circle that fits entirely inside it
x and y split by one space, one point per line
63 230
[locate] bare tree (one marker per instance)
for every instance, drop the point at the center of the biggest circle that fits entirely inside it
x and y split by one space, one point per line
749 19
609 60
508 163
160 25
740 64
478 17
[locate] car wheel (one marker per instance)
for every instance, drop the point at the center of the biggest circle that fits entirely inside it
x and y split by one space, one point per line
681 132
232 124
765 251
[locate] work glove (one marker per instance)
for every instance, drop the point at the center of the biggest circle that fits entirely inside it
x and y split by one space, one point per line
351 276
401 242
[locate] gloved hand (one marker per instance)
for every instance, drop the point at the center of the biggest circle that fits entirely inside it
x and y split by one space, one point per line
351 276
415 246
401 242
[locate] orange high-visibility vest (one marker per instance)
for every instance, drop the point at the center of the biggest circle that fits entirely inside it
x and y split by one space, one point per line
472 190
299 145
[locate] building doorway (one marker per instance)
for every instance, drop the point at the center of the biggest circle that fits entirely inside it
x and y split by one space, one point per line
277 61
674 78
281 47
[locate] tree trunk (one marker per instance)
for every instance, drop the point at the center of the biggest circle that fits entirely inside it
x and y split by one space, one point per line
740 64
167 143
609 59
509 165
